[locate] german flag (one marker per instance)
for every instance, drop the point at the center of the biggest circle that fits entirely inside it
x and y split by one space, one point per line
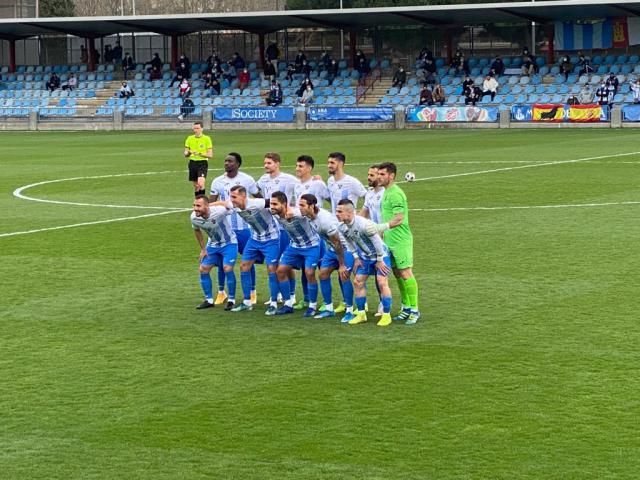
547 113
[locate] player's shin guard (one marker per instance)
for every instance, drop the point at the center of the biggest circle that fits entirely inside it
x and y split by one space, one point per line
386 304
207 285
325 288
305 287
231 284
411 286
245 281
347 293
360 302
273 287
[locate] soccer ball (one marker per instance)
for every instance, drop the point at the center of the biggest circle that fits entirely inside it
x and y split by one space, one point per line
409 176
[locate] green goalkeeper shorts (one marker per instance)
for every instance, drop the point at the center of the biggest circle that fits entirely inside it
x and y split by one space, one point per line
401 255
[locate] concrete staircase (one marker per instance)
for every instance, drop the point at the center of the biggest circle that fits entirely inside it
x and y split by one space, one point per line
379 90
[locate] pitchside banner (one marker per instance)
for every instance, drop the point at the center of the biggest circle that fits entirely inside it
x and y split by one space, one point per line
631 113
452 114
350 114
254 114
559 113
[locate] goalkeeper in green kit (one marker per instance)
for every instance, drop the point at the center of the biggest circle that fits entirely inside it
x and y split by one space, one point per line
398 237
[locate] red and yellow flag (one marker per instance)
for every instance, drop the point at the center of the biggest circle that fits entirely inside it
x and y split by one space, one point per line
620 33
547 113
585 113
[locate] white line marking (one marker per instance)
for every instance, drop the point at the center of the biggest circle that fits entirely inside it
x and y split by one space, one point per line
98 222
506 169
525 207
18 191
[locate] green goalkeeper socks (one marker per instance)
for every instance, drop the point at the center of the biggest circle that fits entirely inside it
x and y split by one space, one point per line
403 291
411 289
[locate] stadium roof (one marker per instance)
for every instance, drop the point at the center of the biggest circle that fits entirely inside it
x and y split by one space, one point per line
266 22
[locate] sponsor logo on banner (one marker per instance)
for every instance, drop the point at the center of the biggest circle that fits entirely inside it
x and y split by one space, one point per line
350 114
253 114
452 114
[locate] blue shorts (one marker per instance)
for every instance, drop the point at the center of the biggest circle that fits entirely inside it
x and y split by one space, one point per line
284 240
258 251
243 237
221 255
297 257
368 267
330 260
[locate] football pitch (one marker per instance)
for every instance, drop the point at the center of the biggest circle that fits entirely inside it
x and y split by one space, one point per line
525 364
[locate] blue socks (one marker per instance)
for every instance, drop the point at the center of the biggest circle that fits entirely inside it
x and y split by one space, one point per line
245 281
253 277
386 304
360 302
347 292
292 288
285 289
273 287
312 296
305 286
325 288
221 278
207 285
231 284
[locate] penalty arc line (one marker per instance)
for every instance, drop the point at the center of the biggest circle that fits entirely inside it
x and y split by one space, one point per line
98 222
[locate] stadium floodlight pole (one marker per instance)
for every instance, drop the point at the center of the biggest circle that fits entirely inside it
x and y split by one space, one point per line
533 35
341 38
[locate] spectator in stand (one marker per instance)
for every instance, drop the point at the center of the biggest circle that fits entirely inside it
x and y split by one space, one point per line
184 59
214 87
184 89
473 96
72 83
528 63
426 54
108 53
291 71
213 58
427 73
126 91
269 71
228 72
237 61
438 95
84 56
585 64
612 84
566 67
272 53
635 88
399 78
155 74
585 96
96 56
458 59
490 87
303 86
363 66
573 100
497 67
307 95
305 69
298 61
117 54
275 94
467 84
332 71
182 72
128 65
602 94
244 78
426 97
53 83
325 61
155 62
462 64
359 56
216 69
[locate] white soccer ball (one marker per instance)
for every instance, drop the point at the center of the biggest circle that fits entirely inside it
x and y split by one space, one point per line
409 176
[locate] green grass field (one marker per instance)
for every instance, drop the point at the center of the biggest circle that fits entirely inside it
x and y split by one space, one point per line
526 364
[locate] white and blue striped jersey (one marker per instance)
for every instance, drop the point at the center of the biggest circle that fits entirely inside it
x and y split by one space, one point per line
347 187
327 226
359 241
222 186
301 232
216 226
315 187
372 201
260 220
283 182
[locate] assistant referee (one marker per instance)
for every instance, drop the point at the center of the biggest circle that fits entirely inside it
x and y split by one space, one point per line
198 148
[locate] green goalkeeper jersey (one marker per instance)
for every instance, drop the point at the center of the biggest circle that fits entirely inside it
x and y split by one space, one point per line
394 201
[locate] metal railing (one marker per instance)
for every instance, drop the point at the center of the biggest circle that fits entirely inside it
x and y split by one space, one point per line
367 84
